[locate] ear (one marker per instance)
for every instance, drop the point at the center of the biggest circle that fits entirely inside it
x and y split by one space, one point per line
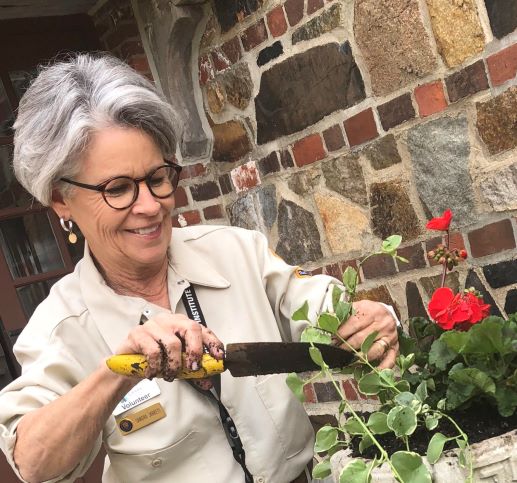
60 205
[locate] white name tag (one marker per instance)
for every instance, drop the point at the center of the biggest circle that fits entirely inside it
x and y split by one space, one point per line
141 393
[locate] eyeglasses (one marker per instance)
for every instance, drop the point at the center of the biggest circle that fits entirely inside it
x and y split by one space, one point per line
122 191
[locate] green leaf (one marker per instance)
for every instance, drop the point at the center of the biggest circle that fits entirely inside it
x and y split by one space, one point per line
336 295
322 470
295 383
486 337
402 420
410 467
328 322
471 375
405 362
355 472
370 384
506 398
343 311
441 404
431 422
326 438
435 447
441 354
350 279
378 423
421 391
353 426
406 399
317 358
455 340
390 245
365 443
315 335
387 377
302 313
368 342
402 385
402 259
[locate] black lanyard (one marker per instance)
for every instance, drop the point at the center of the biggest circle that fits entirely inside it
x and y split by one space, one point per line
194 312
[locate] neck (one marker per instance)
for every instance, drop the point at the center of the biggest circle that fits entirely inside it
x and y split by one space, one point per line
149 283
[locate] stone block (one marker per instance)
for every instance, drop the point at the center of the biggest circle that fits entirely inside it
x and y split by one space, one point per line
467 81
492 238
299 238
225 183
334 138
245 176
440 151
294 11
238 85
215 97
205 191
231 141
219 60
501 274
232 50
396 111
303 183
361 128
503 65
394 43
379 266
499 188
180 197
326 392
392 211
333 270
230 12
430 284
473 280
253 36
192 171
266 198
497 121
383 153
269 53
304 88
502 15
457 30
314 6
308 150
415 256
510 303
213 212
255 210
326 22
345 224
415 305
430 98
268 164
276 22
206 69
344 175
286 160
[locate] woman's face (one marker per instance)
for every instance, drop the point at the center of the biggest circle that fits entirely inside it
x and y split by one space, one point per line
130 239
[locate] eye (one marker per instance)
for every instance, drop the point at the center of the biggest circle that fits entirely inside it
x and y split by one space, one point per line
119 187
157 179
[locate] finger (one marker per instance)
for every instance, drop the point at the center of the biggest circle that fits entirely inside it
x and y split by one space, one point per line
377 351
191 334
169 347
383 332
353 325
389 358
141 342
214 345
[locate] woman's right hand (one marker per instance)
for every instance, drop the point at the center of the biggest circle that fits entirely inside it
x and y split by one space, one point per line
163 338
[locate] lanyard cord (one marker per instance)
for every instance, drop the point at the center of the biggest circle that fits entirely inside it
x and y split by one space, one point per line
194 312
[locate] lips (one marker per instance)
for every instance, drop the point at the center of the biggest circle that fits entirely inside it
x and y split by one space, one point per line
148 230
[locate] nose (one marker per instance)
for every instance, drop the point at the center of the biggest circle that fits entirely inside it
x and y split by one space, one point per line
146 203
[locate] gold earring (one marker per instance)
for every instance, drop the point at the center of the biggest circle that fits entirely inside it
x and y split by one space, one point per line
72 237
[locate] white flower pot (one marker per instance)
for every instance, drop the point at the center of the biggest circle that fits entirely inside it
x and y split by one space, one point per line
495 460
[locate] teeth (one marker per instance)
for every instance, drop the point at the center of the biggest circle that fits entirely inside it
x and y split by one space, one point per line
146 231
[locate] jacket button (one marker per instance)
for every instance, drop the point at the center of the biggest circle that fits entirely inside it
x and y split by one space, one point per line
156 463
261 479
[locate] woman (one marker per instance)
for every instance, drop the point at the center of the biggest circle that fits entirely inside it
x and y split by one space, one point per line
94 141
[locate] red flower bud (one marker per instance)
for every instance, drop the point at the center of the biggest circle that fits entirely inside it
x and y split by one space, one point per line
463 254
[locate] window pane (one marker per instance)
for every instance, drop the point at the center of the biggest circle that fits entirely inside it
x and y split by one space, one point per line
20 79
29 245
32 295
6 113
11 192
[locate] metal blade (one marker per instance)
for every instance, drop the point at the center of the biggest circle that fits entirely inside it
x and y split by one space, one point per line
257 358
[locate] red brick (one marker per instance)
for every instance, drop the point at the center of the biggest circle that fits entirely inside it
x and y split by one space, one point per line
212 212
254 35
334 139
206 70
191 217
313 6
269 164
467 81
286 160
122 32
180 197
349 390
225 183
503 65
361 395
232 50
456 241
334 270
276 21
245 177
205 191
492 238
415 256
396 111
294 11
326 392
310 394
139 63
317 271
430 98
219 60
308 150
361 128
379 266
192 171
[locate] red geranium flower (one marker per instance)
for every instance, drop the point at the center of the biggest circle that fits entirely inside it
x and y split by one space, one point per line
440 223
449 310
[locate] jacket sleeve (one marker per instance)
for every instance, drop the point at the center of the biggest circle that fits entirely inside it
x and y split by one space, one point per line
288 287
48 372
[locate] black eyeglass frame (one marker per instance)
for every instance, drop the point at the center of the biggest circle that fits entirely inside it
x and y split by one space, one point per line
101 187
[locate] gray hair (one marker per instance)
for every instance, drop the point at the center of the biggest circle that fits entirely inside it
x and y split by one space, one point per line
71 100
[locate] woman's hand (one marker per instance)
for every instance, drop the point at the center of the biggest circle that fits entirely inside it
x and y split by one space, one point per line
164 337
372 317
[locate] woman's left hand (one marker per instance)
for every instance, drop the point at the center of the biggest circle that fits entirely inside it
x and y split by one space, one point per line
372 317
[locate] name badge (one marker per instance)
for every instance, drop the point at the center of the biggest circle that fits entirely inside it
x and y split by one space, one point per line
134 421
141 393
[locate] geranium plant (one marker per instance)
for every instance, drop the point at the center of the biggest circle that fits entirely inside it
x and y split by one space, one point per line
446 363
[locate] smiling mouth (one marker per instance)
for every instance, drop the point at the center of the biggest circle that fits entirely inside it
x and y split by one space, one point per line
146 231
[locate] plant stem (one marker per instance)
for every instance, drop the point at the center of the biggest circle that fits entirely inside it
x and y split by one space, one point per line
444 272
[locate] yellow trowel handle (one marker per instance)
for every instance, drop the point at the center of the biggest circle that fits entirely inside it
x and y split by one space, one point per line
136 364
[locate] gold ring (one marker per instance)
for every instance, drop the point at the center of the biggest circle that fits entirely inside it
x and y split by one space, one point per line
384 344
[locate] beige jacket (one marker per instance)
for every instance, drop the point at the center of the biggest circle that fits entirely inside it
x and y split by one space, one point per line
246 294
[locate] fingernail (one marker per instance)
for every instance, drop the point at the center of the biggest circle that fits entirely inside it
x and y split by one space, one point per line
194 366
